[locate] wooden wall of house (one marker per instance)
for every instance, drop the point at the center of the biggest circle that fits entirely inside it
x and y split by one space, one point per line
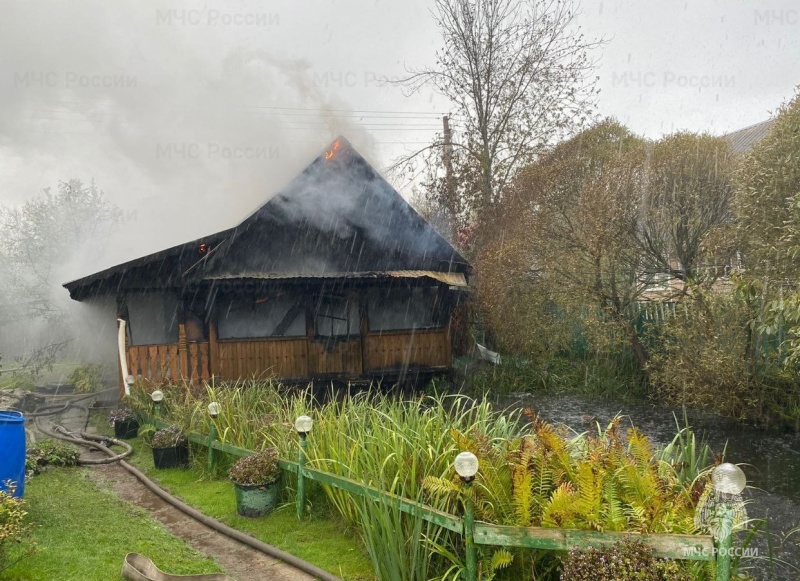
343 358
164 363
369 353
294 359
425 348
284 358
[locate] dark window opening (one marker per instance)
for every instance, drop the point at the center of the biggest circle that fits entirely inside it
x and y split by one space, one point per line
260 317
153 318
401 309
336 317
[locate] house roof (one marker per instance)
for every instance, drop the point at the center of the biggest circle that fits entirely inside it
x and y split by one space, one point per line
743 140
456 279
338 216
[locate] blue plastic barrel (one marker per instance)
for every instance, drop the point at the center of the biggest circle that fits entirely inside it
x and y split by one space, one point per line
12 451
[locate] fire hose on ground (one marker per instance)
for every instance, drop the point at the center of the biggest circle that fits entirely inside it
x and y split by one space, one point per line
99 443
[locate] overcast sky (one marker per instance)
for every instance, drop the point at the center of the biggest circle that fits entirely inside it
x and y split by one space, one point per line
189 117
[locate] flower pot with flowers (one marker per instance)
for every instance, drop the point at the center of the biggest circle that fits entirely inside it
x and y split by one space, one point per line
256 482
170 448
124 422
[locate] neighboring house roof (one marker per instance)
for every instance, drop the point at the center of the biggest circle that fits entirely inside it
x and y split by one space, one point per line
338 216
744 140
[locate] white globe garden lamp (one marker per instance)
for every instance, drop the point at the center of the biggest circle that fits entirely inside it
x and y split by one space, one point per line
214 409
303 425
466 465
728 478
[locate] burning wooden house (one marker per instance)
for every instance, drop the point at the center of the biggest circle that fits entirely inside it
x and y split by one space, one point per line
336 276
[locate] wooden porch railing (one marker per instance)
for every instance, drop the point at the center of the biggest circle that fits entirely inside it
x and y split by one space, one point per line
165 363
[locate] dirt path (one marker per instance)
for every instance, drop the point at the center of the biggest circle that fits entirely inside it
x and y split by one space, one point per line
241 562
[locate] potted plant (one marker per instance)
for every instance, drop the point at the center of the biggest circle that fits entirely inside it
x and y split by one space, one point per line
255 481
170 448
124 422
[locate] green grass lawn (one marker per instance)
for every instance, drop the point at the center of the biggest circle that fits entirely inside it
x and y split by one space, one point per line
83 532
320 539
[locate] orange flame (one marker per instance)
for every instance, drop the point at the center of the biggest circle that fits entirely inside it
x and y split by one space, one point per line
331 151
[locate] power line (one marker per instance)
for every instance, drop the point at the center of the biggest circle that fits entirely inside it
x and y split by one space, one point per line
301 115
438 114
318 110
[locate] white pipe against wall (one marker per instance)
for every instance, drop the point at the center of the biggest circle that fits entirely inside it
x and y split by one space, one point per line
123 360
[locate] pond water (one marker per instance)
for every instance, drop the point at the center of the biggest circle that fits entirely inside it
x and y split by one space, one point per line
770 459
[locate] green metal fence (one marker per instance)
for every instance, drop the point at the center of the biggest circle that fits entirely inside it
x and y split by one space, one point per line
673 546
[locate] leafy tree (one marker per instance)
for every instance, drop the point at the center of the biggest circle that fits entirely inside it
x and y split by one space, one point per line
686 229
767 199
46 232
570 228
39 238
768 209
518 76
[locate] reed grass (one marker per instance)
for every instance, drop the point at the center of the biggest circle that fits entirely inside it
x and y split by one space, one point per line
689 457
530 474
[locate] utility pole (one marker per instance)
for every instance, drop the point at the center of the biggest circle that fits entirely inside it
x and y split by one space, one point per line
450 186
448 151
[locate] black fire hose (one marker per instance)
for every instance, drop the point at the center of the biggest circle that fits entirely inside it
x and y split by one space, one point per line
288 558
213 523
47 409
63 434
92 441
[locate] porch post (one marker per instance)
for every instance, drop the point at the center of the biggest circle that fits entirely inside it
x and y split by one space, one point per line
213 350
183 352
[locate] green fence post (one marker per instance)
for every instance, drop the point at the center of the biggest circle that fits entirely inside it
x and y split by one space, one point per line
158 397
724 541
301 479
214 409
471 564
212 436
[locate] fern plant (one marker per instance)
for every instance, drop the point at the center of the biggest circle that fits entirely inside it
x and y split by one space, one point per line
612 481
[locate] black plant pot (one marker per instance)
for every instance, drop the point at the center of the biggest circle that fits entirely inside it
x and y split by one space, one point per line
172 457
126 429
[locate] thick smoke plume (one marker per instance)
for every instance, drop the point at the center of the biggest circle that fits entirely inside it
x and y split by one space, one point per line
173 121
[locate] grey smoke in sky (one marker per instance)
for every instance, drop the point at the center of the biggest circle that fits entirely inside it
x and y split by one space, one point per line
172 129
189 116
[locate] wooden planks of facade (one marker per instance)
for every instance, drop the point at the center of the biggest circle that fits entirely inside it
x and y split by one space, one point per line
284 358
291 358
429 348
341 358
163 363
156 362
